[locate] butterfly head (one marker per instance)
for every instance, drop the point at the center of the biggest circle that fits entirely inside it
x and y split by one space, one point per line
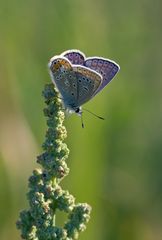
78 111
72 109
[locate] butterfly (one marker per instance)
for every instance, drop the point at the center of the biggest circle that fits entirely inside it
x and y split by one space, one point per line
78 79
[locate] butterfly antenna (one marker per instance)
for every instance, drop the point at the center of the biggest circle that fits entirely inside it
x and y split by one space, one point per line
93 113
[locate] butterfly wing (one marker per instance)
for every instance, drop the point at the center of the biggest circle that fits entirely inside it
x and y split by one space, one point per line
107 68
65 80
79 79
88 81
74 56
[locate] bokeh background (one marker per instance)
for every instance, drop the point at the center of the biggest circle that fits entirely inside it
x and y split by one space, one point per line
116 164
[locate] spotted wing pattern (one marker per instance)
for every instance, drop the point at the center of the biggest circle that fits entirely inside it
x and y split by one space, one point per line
88 81
107 68
74 56
65 80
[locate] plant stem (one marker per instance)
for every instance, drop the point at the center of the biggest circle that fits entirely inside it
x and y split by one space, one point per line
45 194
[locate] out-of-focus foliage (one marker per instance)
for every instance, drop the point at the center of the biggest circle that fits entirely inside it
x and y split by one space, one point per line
116 164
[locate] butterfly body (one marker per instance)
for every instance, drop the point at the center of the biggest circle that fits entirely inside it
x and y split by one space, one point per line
78 78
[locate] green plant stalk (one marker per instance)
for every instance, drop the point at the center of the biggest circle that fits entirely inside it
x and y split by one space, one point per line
45 195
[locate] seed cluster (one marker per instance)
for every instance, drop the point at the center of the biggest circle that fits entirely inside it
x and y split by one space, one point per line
45 195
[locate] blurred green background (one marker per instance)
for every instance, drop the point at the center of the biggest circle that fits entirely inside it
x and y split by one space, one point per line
116 164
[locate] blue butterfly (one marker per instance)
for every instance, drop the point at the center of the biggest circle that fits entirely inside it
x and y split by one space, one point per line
78 78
